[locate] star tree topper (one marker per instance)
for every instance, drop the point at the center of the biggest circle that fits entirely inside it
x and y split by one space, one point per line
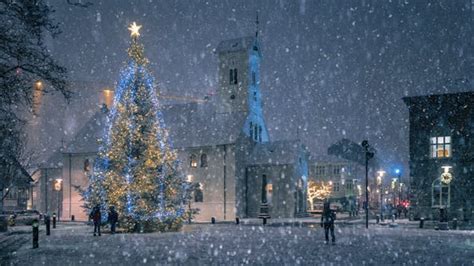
134 29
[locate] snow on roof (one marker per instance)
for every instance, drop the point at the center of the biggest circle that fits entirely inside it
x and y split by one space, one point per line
197 124
86 140
190 125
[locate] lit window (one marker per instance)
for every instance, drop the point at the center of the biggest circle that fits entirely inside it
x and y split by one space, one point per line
440 147
203 160
269 192
193 161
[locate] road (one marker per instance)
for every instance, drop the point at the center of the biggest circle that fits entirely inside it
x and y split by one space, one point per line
231 244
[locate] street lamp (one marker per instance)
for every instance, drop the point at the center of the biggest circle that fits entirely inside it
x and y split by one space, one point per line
380 173
58 183
399 174
369 154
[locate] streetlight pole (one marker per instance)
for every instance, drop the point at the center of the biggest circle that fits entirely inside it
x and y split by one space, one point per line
368 155
399 173
380 181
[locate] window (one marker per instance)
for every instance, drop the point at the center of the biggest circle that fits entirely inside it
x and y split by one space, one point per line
440 147
198 193
320 170
336 186
251 130
204 160
440 194
336 170
260 133
255 96
254 78
264 189
269 192
233 76
193 161
256 133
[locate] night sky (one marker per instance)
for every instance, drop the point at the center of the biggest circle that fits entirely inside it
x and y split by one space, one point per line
333 69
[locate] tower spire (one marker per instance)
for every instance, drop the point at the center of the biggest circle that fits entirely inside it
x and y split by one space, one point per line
256 26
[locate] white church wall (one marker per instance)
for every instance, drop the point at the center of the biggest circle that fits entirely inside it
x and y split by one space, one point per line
218 198
282 178
74 174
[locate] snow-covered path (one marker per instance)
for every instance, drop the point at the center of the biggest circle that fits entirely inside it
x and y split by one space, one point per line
232 244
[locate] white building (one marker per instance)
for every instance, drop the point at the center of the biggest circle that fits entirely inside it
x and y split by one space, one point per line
223 144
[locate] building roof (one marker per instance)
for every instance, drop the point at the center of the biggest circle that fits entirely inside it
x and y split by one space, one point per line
86 140
439 97
189 125
198 124
278 152
332 159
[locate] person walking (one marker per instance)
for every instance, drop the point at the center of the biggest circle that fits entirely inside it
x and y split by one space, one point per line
113 218
327 221
96 218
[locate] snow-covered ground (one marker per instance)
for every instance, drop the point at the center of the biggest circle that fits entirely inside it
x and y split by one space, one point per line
248 244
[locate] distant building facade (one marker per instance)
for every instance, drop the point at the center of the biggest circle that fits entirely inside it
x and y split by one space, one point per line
341 177
442 154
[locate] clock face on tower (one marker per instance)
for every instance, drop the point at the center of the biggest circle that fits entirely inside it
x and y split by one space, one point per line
446 178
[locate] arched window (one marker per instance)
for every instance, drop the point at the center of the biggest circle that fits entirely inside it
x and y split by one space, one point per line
233 76
440 194
256 133
193 161
198 193
203 160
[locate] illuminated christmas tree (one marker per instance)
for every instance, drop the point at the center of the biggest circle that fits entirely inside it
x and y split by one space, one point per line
136 169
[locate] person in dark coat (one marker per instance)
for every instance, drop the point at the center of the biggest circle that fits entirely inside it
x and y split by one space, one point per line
96 218
113 218
327 221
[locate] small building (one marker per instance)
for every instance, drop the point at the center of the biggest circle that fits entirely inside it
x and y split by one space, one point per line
442 154
15 187
341 180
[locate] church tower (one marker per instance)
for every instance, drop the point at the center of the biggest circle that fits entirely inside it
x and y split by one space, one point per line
239 84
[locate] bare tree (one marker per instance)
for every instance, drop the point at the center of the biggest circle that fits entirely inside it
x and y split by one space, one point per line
24 60
318 190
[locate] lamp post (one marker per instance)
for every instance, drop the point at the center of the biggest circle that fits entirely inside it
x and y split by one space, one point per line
369 154
399 174
57 187
380 173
